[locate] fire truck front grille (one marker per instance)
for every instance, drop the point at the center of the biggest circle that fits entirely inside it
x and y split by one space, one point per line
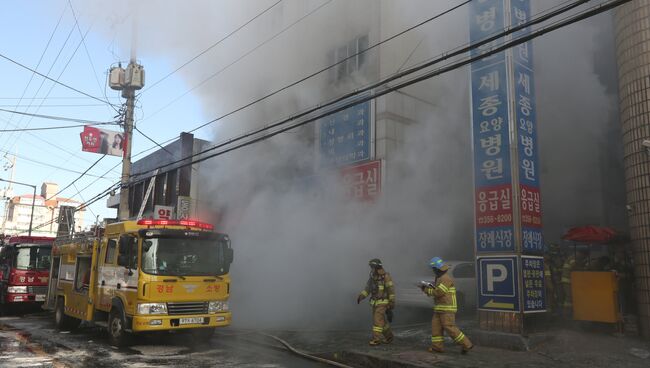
38 290
175 309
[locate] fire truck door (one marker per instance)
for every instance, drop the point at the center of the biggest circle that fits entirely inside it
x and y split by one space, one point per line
106 279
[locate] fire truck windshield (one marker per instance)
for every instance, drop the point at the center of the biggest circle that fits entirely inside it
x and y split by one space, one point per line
184 257
33 258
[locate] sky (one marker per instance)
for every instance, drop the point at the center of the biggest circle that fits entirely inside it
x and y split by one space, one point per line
26 27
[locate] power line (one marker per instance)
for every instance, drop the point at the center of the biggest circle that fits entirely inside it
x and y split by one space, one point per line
51 128
52 79
212 46
56 105
238 59
443 57
151 140
56 58
439 15
603 7
47 46
79 177
92 65
52 166
52 117
53 85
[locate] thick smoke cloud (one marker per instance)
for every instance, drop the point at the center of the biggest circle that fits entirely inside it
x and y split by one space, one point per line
301 245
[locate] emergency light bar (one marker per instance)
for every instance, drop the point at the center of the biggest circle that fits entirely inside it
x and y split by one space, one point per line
188 223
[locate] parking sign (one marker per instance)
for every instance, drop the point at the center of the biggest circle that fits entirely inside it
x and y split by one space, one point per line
498 283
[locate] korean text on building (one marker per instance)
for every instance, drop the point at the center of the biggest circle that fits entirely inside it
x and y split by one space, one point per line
345 136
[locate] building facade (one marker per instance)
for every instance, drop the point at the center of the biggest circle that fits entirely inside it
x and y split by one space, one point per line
175 188
633 57
46 212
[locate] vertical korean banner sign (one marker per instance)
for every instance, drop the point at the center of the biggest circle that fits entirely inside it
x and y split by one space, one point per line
503 107
490 130
526 128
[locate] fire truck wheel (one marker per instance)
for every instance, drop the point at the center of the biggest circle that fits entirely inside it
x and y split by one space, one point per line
116 324
63 321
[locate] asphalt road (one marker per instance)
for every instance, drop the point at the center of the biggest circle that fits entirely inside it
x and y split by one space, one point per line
32 341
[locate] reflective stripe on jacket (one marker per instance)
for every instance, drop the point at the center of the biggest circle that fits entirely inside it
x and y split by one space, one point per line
444 295
381 289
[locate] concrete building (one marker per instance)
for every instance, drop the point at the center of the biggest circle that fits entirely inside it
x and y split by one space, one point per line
46 212
175 187
633 54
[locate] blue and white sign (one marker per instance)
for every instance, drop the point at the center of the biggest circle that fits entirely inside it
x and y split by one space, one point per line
526 129
532 272
498 283
491 128
345 136
487 17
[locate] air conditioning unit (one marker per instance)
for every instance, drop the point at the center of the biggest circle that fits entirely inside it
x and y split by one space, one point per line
116 78
134 77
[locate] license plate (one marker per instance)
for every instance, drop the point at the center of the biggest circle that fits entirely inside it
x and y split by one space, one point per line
40 298
191 320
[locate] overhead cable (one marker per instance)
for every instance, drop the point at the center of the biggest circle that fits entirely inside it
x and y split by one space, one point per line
211 46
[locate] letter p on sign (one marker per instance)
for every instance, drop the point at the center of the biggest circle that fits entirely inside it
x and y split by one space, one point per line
495 273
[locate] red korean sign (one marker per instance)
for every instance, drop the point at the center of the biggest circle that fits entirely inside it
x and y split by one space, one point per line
494 206
362 182
102 141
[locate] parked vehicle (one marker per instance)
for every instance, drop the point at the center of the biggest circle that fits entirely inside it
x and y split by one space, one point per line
24 271
408 293
144 276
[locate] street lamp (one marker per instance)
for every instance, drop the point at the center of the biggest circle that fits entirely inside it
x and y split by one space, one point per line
31 218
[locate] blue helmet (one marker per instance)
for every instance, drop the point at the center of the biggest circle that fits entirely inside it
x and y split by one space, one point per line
438 264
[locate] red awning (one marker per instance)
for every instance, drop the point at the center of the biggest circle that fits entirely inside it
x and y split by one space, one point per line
591 234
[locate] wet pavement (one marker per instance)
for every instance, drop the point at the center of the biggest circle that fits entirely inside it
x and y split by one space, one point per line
32 341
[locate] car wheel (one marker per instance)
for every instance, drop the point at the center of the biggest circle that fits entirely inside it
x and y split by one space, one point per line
117 336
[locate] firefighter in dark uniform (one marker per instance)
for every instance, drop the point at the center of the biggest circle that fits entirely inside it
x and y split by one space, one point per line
381 290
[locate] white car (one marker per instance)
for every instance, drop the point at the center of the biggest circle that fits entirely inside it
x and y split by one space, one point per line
408 293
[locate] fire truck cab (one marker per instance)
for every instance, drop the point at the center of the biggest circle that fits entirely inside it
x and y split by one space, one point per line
143 276
24 268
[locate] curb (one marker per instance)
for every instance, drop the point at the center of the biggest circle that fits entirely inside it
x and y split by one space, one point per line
509 341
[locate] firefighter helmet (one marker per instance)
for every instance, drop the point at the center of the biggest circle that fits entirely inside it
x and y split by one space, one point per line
375 263
438 264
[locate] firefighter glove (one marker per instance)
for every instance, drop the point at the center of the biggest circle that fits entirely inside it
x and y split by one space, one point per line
359 299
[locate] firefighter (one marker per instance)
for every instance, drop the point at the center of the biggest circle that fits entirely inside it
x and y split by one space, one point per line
382 298
552 278
571 263
444 311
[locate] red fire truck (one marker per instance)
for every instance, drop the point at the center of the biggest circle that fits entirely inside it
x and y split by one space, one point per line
24 270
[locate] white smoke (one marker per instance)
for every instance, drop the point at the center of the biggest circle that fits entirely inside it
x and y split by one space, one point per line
301 246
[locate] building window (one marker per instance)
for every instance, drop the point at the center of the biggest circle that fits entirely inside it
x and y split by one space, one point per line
342 71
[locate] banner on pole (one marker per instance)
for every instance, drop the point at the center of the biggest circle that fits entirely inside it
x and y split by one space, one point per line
102 141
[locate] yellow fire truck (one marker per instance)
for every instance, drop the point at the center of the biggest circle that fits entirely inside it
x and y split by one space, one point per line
142 276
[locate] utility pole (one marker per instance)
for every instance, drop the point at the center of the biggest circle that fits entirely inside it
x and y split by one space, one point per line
7 198
31 217
124 212
128 81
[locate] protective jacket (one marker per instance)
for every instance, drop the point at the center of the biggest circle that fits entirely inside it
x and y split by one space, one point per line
444 294
380 288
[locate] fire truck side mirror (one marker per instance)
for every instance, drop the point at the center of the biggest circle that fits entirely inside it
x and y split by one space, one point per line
125 250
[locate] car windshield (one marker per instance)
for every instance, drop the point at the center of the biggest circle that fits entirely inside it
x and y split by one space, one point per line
33 258
184 257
